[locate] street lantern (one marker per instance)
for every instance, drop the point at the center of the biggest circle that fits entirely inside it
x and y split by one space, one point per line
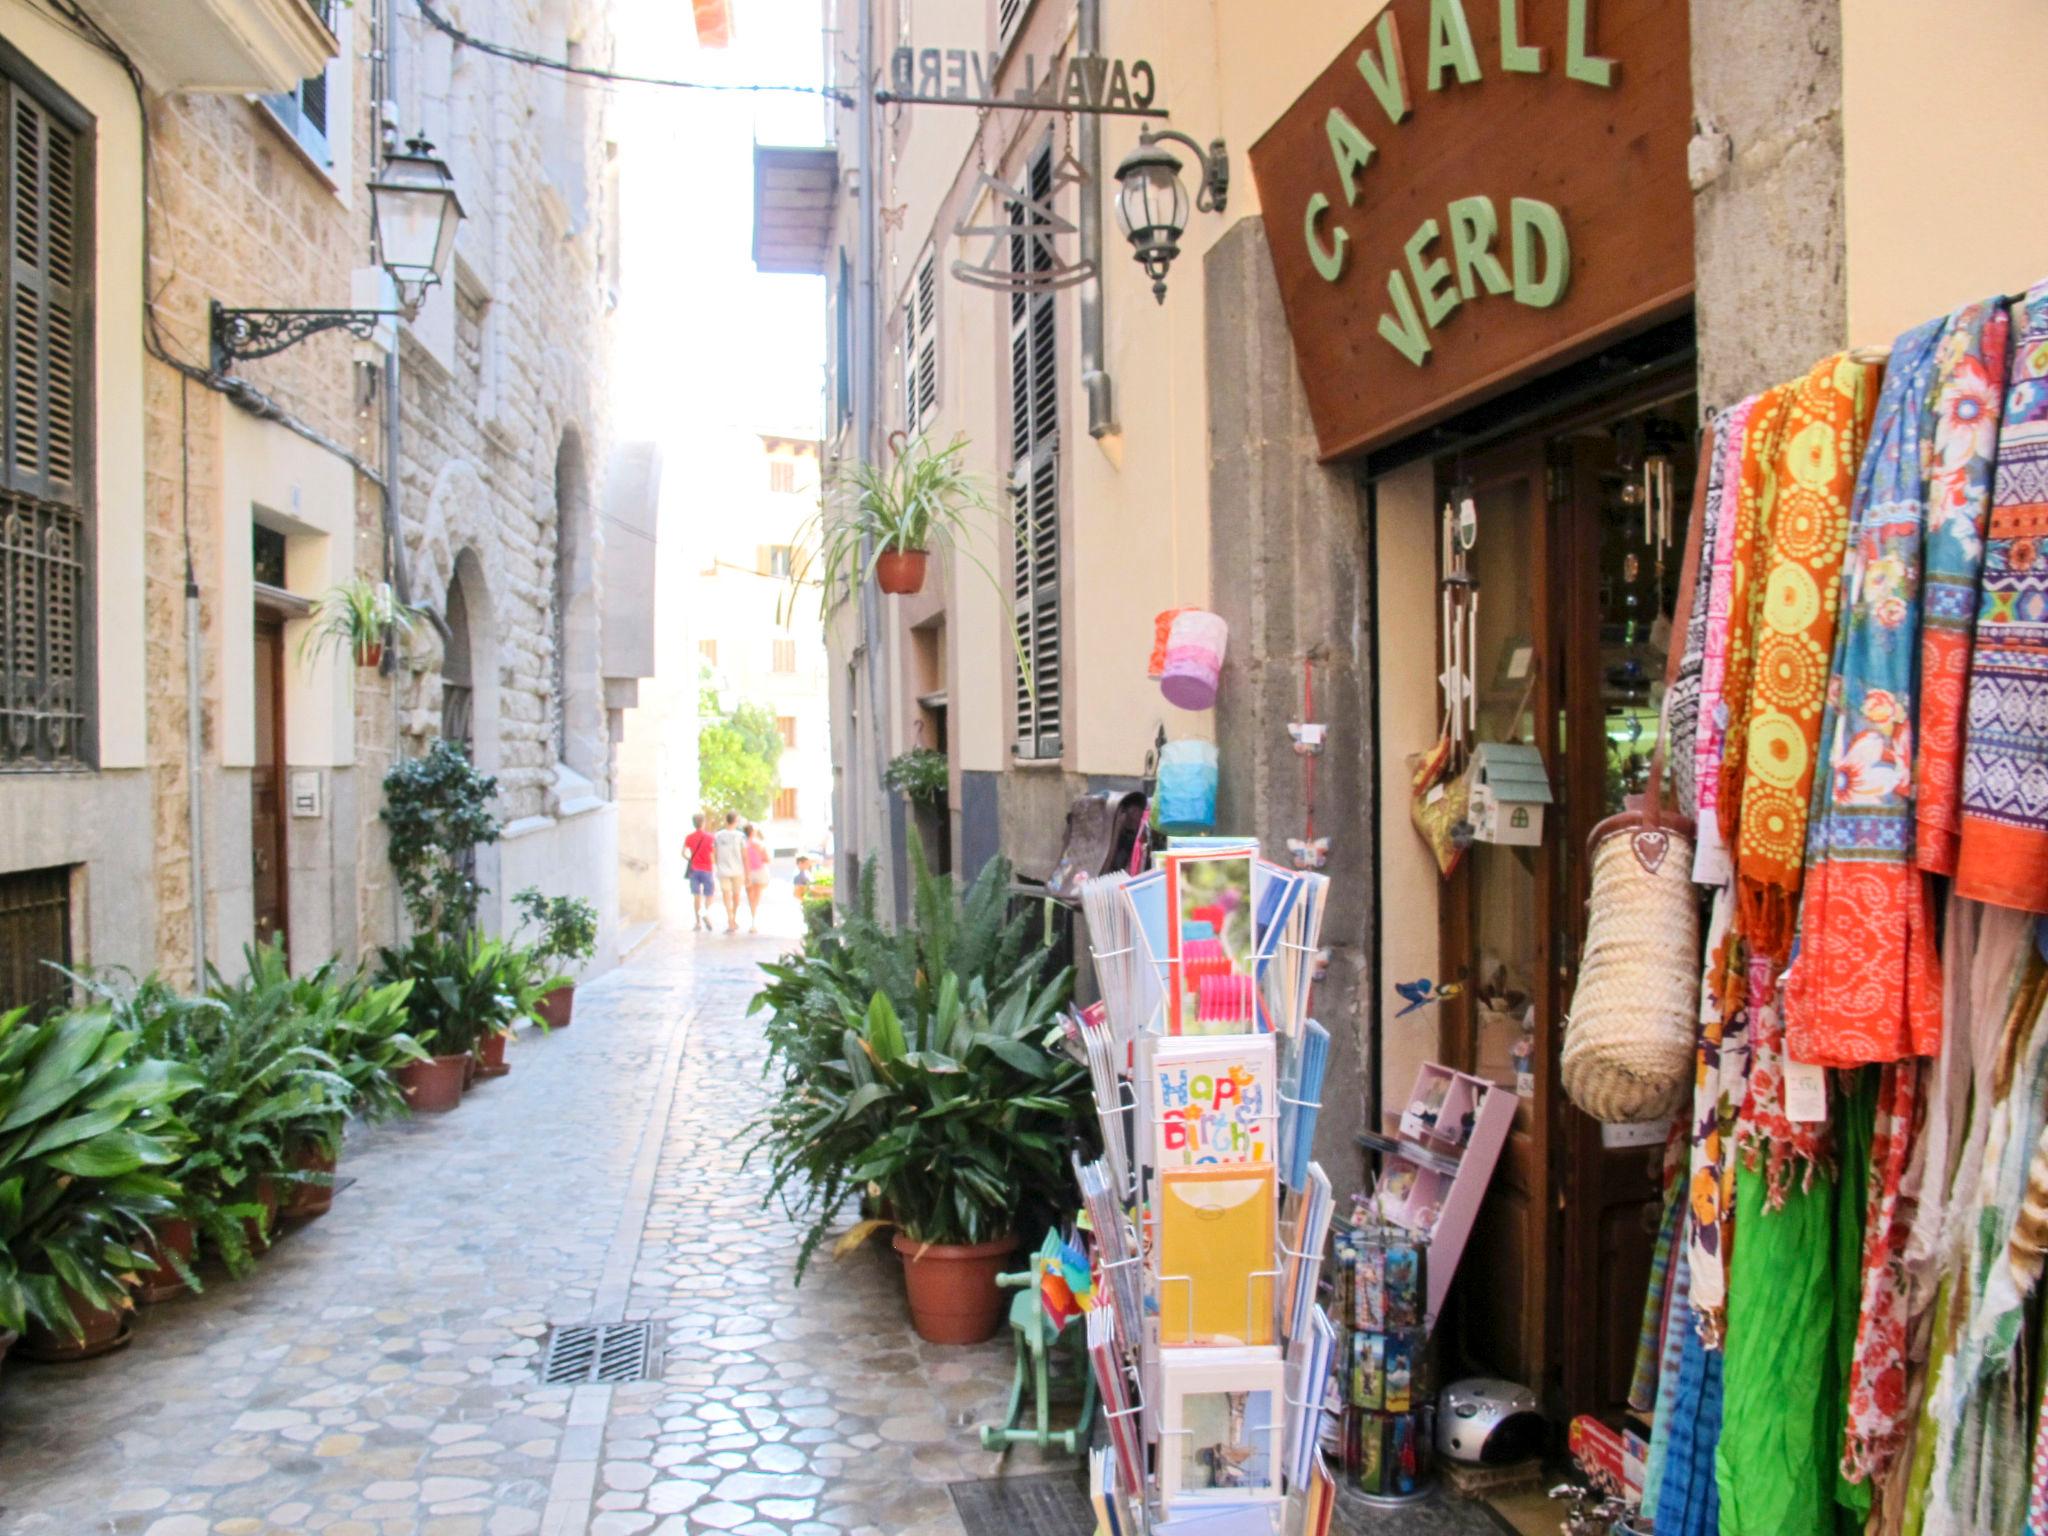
1152 205
415 210
414 213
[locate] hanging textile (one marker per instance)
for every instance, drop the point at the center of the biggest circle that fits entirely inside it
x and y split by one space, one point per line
2037 1487
1682 698
2003 857
1877 1418
1678 1328
1720 1083
1689 1495
1868 986
1650 1337
1961 444
1710 864
1854 1127
1794 582
1767 1135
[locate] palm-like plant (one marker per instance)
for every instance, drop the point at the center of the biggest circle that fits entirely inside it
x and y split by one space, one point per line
87 1129
464 988
358 618
913 1064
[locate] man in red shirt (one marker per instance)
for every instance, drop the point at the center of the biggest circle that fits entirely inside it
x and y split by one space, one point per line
698 849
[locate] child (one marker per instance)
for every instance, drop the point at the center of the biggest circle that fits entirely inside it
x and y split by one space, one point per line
803 874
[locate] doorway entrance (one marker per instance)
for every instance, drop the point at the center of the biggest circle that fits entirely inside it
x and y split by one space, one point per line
267 850
1573 633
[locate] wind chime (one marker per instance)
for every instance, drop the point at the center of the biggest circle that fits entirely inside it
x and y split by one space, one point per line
1458 590
1650 493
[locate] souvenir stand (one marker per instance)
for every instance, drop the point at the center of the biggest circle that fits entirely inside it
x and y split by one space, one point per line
1209 1218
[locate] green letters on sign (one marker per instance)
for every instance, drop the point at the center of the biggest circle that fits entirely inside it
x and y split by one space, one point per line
1473 227
1516 56
1352 151
1578 63
1408 337
1531 222
1328 261
1450 44
1386 74
1432 277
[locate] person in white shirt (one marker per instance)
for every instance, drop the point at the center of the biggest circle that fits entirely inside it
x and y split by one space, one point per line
729 861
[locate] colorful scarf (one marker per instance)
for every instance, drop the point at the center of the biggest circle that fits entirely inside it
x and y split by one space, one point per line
1720 1083
1682 698
1678 1332
1868 984
1689 1495
2004 853
1961 443
1793 561
1710 864
1877 1419
1664 1260
1765 1133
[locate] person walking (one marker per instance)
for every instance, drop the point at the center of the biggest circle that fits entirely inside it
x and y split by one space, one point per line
757 875
729 863
698 851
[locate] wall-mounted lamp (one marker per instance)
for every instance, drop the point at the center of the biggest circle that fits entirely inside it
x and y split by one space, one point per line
1152 205
414 213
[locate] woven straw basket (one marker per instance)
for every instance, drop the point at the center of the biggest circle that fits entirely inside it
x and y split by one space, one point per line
1628 1043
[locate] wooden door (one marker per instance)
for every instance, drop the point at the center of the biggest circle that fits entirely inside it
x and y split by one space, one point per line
1609 639
266 788
1497 932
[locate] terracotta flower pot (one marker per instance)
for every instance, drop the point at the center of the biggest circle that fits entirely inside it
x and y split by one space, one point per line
468 1071
161 1281
900 571
490 1055
435 1086
106 1328
259 1232
953 1295
310 1199
371 654
557 1006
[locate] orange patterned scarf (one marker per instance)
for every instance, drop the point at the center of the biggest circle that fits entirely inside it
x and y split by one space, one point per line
1798 475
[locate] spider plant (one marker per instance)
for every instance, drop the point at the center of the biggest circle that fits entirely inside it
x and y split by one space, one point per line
360 618
88 1129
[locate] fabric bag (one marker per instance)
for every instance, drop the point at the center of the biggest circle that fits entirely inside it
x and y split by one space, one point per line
1629 1036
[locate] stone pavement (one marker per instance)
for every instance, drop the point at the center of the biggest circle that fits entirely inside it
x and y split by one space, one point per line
376 1375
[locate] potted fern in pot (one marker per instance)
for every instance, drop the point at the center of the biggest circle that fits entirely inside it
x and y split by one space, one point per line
913 1068
568 937
358 618
892 516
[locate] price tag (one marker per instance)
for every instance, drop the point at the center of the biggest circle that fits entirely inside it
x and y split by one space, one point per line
1806 1092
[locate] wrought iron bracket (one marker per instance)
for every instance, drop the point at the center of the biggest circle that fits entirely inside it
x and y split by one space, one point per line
242 334
1213 160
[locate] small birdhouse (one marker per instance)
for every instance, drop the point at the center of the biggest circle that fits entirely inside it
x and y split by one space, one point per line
1510 788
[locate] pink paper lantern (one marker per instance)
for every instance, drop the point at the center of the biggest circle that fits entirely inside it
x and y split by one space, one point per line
1194 659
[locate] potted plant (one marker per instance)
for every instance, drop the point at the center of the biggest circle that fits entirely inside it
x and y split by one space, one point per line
568 937
359 618
918 775
914 1069
88 1128
890 517
437 807
266 1088
463 989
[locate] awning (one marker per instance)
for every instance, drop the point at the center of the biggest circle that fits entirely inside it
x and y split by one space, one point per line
223 45
794 192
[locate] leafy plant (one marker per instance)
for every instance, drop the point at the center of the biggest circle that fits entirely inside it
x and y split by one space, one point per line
913 1065
357 618
737 754
919 775
266 1088
438 808
568 927
464 987
87 1128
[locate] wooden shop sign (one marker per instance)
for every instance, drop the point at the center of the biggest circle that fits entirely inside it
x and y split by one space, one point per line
1476 190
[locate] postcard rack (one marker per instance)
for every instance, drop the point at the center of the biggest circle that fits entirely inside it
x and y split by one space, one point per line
1210 1220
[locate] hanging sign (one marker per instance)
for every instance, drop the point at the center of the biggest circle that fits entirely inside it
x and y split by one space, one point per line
966 76
1473 191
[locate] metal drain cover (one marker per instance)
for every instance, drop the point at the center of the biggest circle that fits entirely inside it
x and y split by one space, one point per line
1036 1504
599 1352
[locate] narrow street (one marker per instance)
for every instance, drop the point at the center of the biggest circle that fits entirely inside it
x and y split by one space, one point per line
377 1375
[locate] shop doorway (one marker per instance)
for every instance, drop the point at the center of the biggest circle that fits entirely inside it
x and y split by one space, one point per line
269 884
1573 632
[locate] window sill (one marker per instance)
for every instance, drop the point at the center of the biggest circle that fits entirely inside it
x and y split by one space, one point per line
1036 764
281 130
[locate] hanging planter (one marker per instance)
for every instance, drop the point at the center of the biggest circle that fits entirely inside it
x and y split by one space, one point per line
357 617
901 571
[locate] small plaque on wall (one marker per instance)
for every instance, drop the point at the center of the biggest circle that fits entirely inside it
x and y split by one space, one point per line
305 788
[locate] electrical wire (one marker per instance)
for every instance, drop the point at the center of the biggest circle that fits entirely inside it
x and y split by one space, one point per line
513 55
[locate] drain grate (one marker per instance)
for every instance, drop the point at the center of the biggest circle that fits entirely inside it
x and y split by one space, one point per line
1036 1504
599 1352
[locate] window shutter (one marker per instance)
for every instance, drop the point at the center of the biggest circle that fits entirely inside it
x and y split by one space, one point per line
1008 13
1034 446
921 346
45 554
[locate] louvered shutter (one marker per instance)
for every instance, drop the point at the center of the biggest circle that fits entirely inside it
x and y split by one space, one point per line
921 347
1007 14
1034 449
45 533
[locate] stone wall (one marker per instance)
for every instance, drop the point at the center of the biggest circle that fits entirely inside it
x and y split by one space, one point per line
1770 240
1288 572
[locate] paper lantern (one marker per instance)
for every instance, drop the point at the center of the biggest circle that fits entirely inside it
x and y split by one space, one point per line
1187 785
1194 659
